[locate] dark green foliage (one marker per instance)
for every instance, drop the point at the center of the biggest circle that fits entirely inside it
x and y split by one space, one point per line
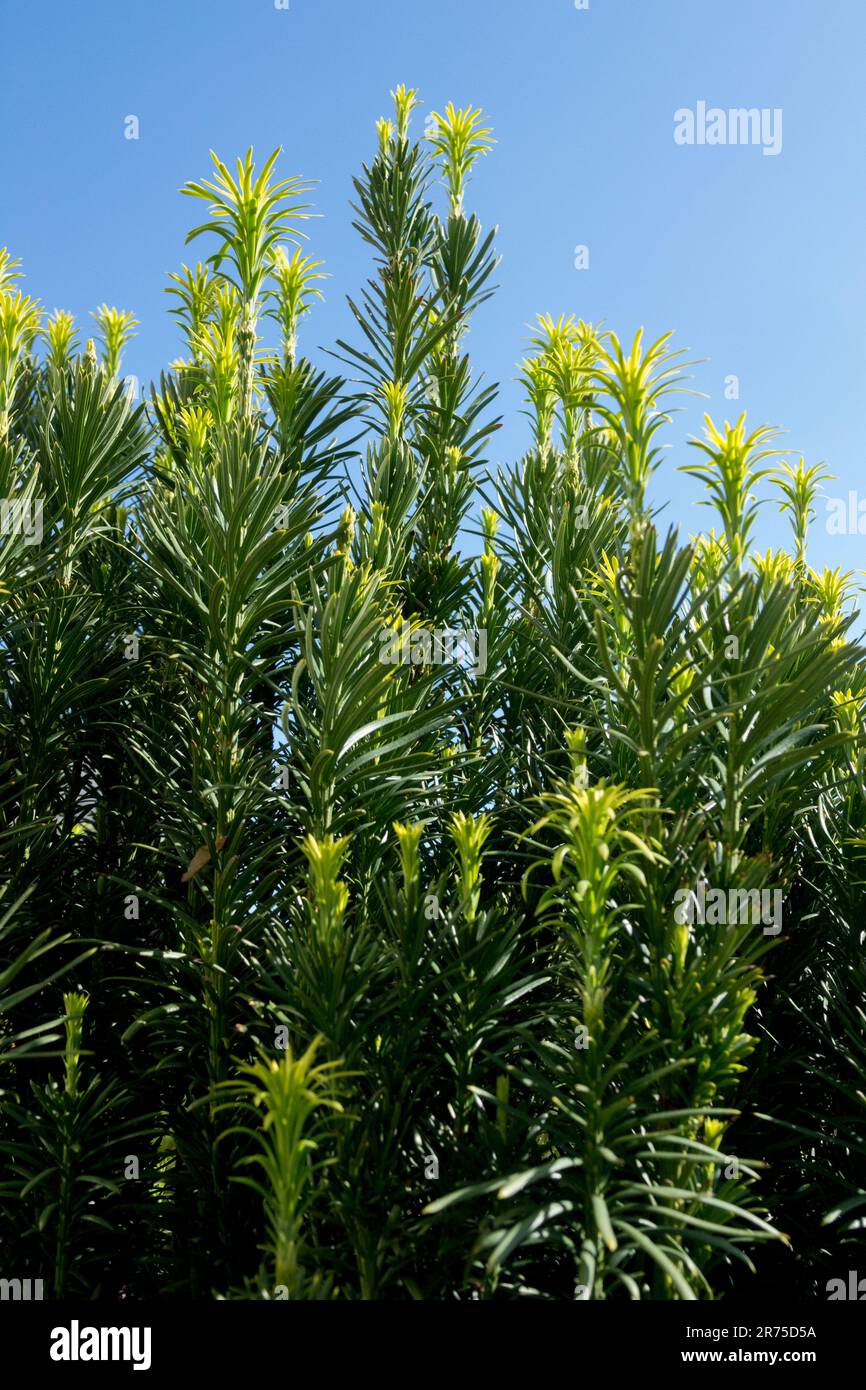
381 979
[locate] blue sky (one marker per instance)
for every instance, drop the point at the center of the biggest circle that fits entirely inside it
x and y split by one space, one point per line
756 262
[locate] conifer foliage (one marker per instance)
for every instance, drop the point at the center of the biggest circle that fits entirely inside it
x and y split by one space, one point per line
419 879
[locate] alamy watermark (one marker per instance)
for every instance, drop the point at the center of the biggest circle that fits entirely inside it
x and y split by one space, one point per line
846 518
717 907
20 1290
852 1291
422 646
22 516
77 1343
738 125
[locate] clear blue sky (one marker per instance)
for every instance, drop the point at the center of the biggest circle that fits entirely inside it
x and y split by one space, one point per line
756 262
